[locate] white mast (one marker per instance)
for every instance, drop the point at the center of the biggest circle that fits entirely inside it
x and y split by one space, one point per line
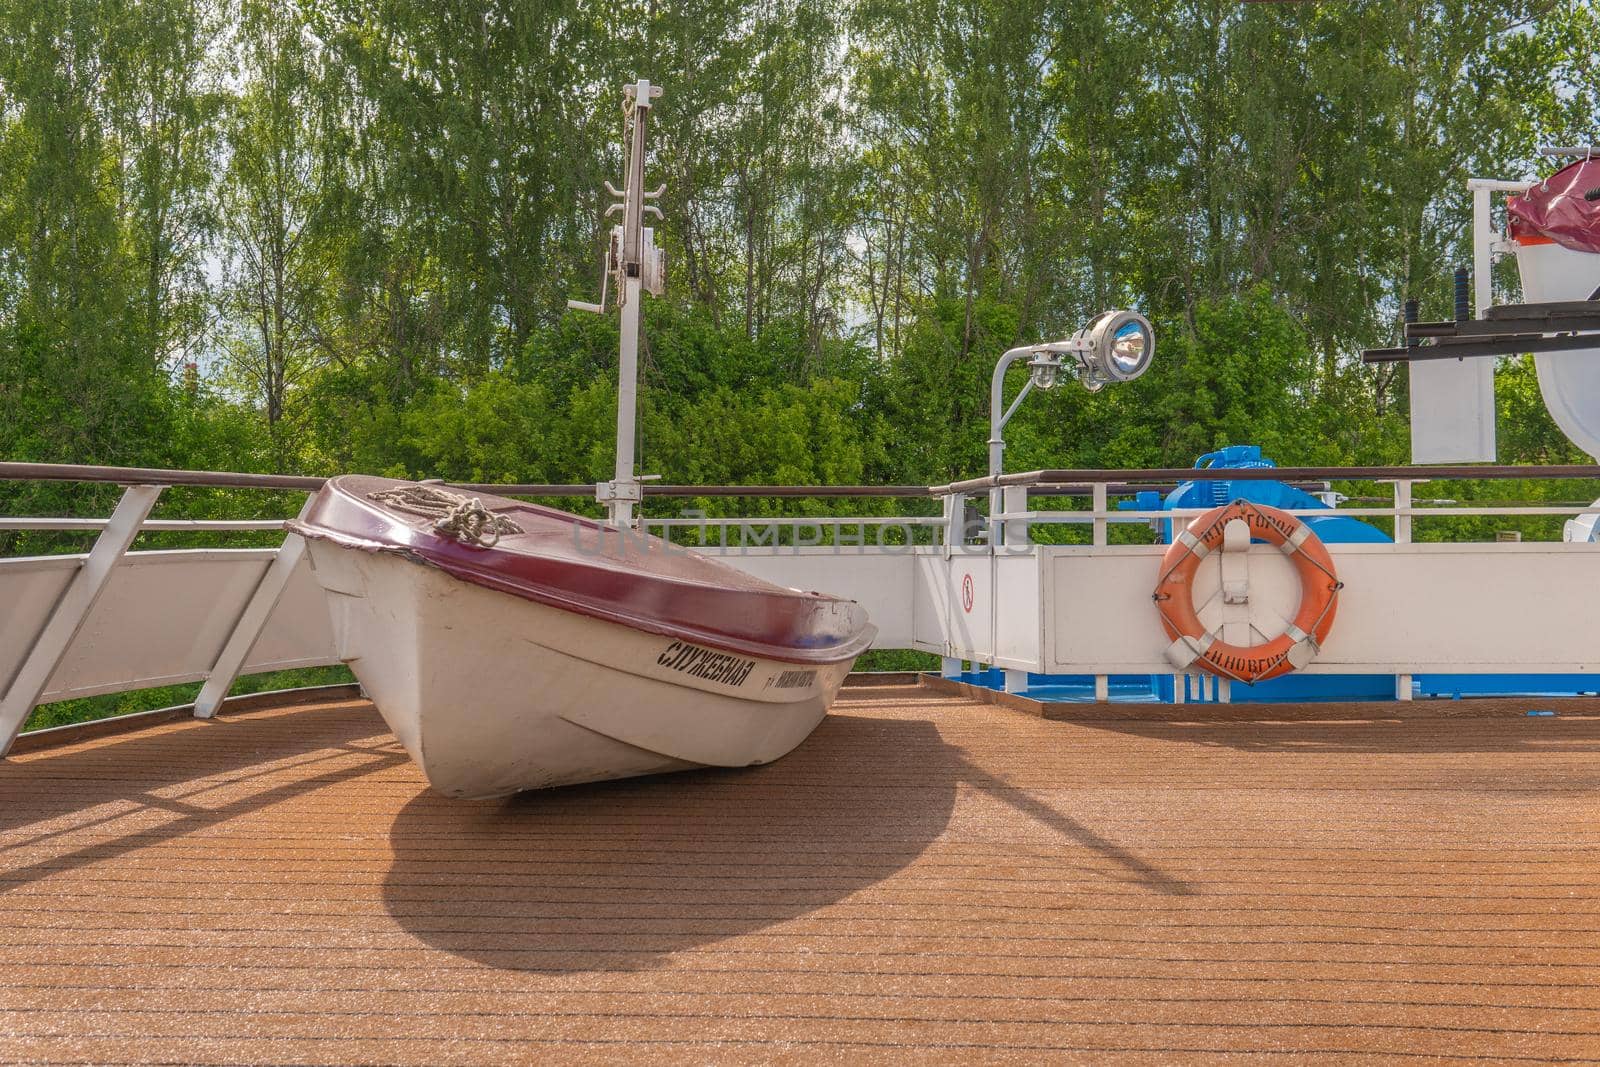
639 267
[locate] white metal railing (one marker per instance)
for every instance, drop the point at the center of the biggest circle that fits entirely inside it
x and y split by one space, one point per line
769 526
1100 519
1404 511
68 525
954 530
66 618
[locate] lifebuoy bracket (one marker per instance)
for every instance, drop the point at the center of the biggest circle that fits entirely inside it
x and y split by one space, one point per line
1304 649
1185 650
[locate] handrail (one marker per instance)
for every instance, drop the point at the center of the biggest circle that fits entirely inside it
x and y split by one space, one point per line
1045 518
1269 474
1070 482
71 472
67 525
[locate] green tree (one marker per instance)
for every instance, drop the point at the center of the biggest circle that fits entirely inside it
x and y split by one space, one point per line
275 282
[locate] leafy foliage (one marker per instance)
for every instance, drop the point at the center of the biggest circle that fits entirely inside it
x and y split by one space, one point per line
325 235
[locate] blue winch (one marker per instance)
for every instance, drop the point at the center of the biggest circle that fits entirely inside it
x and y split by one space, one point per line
1332 529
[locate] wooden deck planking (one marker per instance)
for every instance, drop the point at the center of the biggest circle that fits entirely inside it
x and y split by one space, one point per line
926 877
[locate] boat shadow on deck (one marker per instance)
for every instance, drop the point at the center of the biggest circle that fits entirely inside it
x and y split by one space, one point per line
618 876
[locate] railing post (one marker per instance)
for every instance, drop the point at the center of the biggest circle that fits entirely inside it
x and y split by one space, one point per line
247 628
22 695
1402 508
1016 530
1483 237
1099 503
955 523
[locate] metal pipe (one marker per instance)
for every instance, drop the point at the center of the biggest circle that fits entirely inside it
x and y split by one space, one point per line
72 472
1270 474
1526 326
620 507
633 211
1482 248
1508 345
656 489
68 525
583 489
786 490
1042 482
999 415
625 486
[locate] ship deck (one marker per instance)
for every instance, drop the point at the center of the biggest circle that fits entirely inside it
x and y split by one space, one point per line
927 876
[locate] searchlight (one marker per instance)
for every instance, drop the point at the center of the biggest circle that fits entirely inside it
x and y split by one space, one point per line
1116 346
1120 345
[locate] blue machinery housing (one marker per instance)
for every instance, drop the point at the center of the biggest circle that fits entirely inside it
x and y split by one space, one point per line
1298 688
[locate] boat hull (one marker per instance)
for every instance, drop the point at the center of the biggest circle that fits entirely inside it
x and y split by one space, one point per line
1569 381
492 694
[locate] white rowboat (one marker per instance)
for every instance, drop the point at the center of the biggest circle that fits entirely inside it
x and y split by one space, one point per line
536 648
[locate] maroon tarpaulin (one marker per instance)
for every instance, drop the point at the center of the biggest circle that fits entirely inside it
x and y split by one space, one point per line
1556 208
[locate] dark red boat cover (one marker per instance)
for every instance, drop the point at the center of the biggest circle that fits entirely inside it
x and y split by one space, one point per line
587 567
1557 208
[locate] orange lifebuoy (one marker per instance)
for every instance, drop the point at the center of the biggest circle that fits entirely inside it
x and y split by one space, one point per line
1193 644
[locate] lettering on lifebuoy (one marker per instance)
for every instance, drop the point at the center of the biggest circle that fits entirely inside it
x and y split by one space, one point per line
1194 645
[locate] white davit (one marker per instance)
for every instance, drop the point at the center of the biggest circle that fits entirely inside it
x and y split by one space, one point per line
1555 229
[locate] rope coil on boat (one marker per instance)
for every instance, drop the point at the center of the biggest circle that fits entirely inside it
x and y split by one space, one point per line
455 514
1298 645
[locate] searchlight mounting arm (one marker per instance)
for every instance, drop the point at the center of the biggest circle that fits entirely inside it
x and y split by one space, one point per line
633 265
1116 346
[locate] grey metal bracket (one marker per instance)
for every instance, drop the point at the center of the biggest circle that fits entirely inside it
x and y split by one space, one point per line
1505 329
70 613
250 623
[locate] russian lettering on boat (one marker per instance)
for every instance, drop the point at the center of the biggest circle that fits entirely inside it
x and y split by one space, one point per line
698 662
